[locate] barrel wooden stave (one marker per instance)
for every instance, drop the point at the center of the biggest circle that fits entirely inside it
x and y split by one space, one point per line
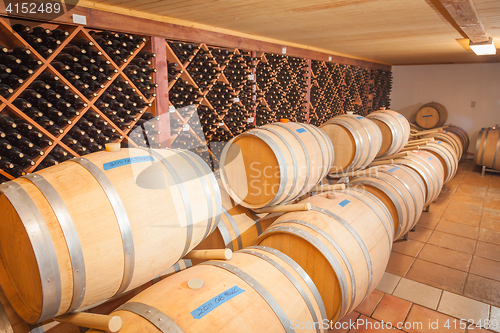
487 148
431 115
245 312
395 130
340 270
450 138
356 141
447 156
462 134
275 163
101 242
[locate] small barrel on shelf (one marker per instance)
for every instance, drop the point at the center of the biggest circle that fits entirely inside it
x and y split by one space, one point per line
395 130
356 141
429 168
487 148
259 290
343 243
401 190
93 228
446 155
431 115
275 163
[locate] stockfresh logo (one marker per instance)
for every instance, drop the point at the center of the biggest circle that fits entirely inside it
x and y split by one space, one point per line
42 10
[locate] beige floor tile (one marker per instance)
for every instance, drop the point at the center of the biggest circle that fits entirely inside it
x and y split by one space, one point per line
409 247
388 283
483 289
418 293
452 242
444 197
487 250
457 229
495 319
419 319
489 236
446 257
463 307
370 303
437 276
486 268
492 202
392 310
427 221
474 179
463 213
491 213
490 223
494 189
420 234
465 198
472 190
399 264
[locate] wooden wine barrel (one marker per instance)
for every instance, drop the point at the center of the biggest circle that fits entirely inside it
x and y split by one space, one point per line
92 228
356 141
275 163
258 290
401 190
429 169
487 147
446 155
395 130
238 228
450 138
431 115
462 134
343 243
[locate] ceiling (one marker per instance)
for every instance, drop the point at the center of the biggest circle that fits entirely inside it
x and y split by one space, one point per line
394 32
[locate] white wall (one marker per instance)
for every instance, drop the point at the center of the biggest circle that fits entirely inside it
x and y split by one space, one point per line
454 86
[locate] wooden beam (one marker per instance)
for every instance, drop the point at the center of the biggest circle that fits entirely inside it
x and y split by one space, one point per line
465 15
99 19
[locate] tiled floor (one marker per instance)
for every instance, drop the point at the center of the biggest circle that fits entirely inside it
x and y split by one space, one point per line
448 270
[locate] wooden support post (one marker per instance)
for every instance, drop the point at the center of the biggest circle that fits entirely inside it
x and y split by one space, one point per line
381 162
324 188
284 208
398 155
92 320
159 47
217 254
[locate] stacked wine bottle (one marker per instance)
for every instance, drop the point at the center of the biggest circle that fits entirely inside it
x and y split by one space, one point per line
67 92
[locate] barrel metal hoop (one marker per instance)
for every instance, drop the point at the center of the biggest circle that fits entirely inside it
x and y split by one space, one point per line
224 232
496 153
266 295
308 167
400 123
355 234
184 195
43 247
294 161
299 270
445 157
440 185
391 127
399 209
359 143
204 184
160 320
235 229
291 278
389 229
70 234
326 139
415 177
337 247
121 218
321 247
430 193
477 152
258 225
367 161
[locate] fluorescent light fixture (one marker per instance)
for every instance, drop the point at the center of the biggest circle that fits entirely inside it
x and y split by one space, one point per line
483 48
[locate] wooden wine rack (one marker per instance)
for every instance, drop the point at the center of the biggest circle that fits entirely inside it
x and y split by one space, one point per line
275 87
10 38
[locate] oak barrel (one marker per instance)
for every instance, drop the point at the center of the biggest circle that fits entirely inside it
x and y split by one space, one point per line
275 163
431 115
451 138
258 290
462 134
100 226
487 148
356 141
400 189
343 243
395 130
446 155
429 169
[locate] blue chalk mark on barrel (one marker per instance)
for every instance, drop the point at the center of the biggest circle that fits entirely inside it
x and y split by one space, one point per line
218 300
126 161
393 169
344 203
301 130
429 115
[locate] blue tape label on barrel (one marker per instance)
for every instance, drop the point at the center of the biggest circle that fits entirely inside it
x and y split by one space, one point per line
440 141
301 130
400 116
393 169
218 300
429 115
127 161
343 203
430 158
359 117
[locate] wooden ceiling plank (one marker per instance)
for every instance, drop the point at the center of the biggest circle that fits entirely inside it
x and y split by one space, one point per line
465 15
